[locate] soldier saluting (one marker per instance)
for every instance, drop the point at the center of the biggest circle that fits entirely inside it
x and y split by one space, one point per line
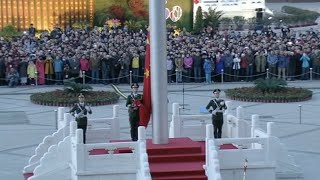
217 107
80 111
133 102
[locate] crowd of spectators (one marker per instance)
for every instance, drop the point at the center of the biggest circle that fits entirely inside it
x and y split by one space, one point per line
108 55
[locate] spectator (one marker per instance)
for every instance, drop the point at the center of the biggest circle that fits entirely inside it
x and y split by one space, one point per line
305 65
31 71
13 77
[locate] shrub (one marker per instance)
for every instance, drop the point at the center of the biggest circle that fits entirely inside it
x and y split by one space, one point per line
268 85
74 88
9 32
62 98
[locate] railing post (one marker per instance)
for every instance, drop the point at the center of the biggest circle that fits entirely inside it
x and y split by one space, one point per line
229 107
240 113
141 133
209 136
240 116
36 78
130 74
73 128
60 116
79 136
80 151
268 73
222 74
300 113
175 129
176 77
310 74
209 131
67 120
56 119
254 124
269 128
115 124
83 77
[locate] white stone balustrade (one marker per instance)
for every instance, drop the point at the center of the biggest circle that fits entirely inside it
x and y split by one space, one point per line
212 166
71 159
99 130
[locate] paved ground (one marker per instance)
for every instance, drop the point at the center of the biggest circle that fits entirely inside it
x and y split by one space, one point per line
18 141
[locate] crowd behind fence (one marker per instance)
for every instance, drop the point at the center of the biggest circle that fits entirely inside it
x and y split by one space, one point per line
118 56
174 78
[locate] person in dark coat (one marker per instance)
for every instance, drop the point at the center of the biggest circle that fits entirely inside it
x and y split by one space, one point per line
217 107
133 109
80 111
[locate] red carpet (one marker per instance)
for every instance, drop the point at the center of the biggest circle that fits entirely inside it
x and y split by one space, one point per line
27 175
181 159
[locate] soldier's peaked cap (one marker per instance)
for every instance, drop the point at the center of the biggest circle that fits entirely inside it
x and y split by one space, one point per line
135 85
216 90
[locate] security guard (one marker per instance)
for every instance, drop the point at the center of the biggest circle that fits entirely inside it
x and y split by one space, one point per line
133 101
218 107
80 111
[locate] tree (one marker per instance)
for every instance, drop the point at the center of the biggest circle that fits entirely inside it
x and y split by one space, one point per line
212 18
100 17
239 22
74 88
198 25
9 32
226 21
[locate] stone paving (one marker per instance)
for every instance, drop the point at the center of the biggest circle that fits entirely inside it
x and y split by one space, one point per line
20 138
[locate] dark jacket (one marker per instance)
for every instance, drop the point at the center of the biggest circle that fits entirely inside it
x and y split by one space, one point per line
82 111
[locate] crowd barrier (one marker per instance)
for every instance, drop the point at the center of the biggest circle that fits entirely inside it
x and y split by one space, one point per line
84 78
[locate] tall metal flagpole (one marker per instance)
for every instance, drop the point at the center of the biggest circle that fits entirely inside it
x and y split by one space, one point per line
158 42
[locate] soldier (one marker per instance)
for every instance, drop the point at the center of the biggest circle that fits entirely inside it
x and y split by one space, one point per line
80 111
133 101
218 107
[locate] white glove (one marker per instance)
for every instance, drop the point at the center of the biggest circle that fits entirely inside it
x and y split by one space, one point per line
214 112
88 108
222 103
77 115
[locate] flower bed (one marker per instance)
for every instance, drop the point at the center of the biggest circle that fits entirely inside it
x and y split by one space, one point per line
252 94
65 99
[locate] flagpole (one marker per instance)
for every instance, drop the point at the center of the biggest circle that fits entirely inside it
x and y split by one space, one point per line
158 43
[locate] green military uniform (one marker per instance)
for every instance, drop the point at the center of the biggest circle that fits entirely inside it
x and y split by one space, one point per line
133 114
80 111
218 106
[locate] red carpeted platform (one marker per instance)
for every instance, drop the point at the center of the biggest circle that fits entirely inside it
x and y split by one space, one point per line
180 159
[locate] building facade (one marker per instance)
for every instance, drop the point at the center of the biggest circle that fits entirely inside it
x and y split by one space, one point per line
45 14
231 8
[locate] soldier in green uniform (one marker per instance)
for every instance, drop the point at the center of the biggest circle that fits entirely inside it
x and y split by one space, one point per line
80 111
217 107
133 101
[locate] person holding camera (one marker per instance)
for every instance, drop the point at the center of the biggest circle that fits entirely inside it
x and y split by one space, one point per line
217 107
80 111
133 101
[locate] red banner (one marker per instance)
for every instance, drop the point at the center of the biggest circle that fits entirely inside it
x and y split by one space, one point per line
145 108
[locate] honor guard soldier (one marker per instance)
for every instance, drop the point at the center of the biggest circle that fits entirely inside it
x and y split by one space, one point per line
217 107
133 102
80 111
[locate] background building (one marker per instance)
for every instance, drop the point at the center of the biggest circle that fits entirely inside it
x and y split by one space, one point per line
291 1
231 8
44 14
